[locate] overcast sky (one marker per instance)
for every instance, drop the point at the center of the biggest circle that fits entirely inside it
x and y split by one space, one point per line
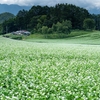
88 4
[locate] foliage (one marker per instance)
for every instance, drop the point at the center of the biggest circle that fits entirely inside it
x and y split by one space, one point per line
48 71
9 26
21 20
64 27
74 33
39 16
56 36
89 24
50 30
44 29
97 21
1 29
56 30
13 36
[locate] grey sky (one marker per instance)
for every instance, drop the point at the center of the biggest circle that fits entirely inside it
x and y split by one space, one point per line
82 3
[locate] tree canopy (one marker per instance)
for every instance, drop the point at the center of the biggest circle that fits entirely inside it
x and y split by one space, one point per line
89 24
62 16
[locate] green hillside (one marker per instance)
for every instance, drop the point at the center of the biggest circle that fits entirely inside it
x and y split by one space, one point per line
5 16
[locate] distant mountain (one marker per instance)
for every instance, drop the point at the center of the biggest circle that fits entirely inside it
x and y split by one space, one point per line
5 16
14 9
94 10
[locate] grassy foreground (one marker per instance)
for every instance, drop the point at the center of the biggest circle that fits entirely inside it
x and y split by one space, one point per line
49 71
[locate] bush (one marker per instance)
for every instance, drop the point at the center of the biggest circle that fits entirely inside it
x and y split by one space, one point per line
50 30
44 29
64 27
17 37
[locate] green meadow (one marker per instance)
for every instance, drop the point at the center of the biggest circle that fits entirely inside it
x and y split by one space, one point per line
51 69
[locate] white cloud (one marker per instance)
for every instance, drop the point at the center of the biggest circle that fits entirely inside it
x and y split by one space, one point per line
82 3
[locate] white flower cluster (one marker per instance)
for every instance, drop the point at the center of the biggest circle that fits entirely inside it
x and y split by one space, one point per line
48 71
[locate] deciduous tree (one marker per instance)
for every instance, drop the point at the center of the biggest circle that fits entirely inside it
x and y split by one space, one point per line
89 24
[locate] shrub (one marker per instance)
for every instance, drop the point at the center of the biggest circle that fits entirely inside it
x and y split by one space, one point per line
64 27
17 37
44 29
50 30
12 36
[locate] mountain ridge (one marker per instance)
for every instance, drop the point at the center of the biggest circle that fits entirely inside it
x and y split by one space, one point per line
13 8
5 16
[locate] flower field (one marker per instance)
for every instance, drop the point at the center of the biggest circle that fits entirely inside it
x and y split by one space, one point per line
49 71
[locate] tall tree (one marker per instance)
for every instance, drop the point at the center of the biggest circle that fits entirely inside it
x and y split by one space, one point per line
21 20
89 24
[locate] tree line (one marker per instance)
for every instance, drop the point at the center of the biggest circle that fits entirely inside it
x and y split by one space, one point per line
60 18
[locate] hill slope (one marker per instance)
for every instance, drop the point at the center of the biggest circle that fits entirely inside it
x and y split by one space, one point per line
5 16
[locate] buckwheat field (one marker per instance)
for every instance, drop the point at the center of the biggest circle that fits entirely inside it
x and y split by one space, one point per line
49 71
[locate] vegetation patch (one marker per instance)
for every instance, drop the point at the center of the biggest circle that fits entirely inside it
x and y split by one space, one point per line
47 20
13 36
74 33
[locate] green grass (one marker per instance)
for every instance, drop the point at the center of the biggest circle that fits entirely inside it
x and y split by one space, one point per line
48 69
79 32
76 37
89 38
58 35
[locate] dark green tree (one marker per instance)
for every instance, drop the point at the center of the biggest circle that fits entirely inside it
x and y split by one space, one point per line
9 26
63 27
97 21
49 31
67 26
52 17
89 24
21 20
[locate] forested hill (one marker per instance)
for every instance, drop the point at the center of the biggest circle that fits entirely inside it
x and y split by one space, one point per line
39 16
43 19
5 16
